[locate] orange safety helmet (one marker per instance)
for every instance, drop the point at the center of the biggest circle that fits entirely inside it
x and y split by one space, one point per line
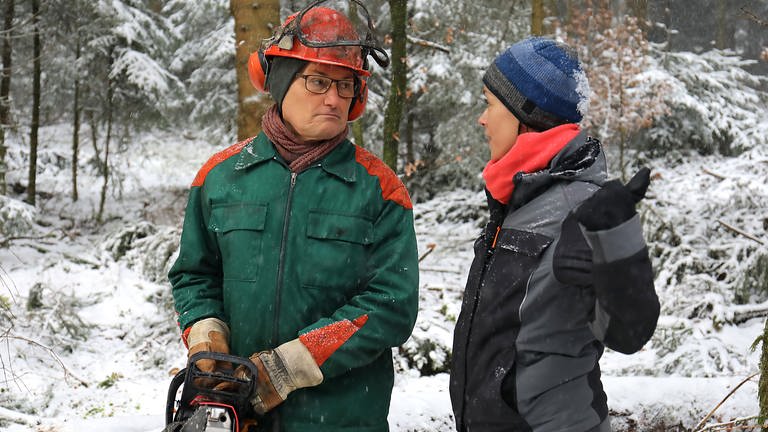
322 35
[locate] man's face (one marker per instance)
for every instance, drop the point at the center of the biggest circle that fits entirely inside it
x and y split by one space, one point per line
317 117
501 126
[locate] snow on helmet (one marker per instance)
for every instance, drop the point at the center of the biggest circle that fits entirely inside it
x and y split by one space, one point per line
322 34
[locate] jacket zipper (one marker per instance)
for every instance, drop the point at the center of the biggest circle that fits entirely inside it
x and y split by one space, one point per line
475 300
281 261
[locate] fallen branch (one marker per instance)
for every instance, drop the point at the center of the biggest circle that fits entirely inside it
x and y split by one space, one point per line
439 270
711 413
430 248
73 258
730 426
713 174
740 232
17 417
67 372
428 44
742 316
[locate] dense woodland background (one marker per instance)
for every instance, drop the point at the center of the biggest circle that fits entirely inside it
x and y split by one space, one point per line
675 84
113 67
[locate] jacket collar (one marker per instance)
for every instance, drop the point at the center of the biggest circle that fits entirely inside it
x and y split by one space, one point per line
340 162
582 159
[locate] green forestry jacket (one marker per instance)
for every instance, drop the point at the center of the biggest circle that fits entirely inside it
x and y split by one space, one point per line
328 255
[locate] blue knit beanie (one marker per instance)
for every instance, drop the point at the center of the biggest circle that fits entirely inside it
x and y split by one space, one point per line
541 82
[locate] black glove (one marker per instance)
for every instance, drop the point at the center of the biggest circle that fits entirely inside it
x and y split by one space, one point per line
614 203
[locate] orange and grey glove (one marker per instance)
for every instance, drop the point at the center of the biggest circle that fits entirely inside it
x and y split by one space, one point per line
281 371
210 334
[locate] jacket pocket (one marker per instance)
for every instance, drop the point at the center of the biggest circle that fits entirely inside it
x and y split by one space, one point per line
505 283
526 243
239 228
334 226
337 246
228 217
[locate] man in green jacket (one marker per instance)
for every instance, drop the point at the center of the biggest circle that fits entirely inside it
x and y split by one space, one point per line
298 247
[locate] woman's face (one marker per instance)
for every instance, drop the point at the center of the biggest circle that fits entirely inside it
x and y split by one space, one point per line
501 126
317 117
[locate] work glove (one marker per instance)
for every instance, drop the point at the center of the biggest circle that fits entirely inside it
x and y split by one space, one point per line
614 203
210 334
281 371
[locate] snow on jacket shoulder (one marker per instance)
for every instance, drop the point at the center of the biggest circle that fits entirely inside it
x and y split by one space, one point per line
328 255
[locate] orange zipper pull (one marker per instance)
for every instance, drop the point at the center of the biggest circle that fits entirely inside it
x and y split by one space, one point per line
493 245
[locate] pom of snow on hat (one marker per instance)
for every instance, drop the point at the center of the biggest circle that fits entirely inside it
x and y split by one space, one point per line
541 82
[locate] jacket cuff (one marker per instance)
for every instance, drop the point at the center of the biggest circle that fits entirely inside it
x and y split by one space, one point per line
616 243
299 363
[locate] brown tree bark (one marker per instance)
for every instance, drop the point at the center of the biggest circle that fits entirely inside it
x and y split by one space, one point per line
254 22
35 123
5 92
537 17
398 11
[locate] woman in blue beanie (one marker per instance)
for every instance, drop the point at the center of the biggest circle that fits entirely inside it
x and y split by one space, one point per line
561 270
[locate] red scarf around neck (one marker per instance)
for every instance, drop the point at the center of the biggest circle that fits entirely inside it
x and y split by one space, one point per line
532 152
298 153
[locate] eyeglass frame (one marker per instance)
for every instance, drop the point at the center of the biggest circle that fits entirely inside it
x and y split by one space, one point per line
332 82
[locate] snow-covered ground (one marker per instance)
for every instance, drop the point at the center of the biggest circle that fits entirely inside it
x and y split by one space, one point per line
90 342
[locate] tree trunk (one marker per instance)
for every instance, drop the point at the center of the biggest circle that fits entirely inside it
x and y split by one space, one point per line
35 124
5 93
105 166
357 132
722 26
76 123
394 112
410 155
537 17
639 10
762 386
253 22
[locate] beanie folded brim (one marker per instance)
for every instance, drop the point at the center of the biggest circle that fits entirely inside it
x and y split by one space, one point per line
520 106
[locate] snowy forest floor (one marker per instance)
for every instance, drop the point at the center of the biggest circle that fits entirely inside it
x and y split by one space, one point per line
88 340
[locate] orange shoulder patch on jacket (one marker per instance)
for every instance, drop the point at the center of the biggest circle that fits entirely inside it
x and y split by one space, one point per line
217 159
322 342
392 188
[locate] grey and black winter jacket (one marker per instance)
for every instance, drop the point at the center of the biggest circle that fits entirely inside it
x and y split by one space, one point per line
541 304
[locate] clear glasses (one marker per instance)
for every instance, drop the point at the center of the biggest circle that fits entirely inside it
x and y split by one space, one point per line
320 84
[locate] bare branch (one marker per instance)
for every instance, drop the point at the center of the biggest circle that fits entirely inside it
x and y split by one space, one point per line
713 174
740 232
428 44
67 372
430 248
753 17
704 420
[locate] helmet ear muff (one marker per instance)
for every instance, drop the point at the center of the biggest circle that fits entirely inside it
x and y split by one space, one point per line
258 68
358 103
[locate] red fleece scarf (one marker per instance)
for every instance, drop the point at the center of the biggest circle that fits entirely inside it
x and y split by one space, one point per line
532 152
298 153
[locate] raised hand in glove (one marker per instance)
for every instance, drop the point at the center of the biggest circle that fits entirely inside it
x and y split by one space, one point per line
209 334
281 371
614 204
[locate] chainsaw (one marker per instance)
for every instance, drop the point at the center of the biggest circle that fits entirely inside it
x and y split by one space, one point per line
223 408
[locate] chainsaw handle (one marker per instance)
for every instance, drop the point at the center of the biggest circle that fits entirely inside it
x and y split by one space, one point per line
236 395
244 387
